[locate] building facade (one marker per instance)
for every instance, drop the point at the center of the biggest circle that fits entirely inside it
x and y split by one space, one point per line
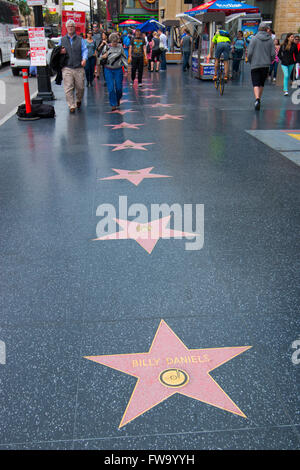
139 10
168 9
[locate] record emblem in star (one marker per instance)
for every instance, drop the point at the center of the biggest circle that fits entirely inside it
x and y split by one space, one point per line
146 234
134 176
169 367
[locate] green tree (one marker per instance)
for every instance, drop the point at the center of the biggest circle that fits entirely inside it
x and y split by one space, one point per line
25 10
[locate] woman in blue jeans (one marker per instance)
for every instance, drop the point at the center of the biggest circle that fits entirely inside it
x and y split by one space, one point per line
287 54
114 57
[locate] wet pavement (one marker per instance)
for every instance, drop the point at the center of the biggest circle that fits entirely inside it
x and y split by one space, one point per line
128 342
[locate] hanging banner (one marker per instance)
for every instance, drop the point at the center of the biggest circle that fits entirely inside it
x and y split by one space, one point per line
36 3
37 42
78 17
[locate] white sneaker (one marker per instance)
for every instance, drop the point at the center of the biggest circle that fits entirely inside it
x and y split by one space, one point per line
140 84
286 93
274 79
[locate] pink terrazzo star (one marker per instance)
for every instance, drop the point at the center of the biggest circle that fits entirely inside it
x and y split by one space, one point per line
126 101
146 234
168 116
134 176
152 96
169 368
124 125
128 144
148 89
159 105
125 111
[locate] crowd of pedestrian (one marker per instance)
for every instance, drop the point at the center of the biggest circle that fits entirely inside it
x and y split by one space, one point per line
112 53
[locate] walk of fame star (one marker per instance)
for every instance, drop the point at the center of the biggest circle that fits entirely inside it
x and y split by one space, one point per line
152 96
168 116
124 125
134 176
169 368
128 144
146 234
295 133
125 111
159 105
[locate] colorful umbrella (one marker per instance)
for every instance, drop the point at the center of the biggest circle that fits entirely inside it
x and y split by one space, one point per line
150 25
130 23
228 6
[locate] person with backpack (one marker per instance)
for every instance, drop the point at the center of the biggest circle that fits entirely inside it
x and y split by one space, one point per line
137 56
115 59
125 42
287 55
239 46
261 53
222 42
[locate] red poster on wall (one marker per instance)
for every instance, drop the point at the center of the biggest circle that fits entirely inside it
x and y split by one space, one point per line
77 16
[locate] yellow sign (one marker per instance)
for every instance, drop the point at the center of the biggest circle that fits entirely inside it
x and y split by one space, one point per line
173 378
68 3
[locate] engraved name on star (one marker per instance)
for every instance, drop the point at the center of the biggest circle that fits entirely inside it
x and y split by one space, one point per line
134 176
128 144
146 234
124 125
169 116
159 105
125 111
169 367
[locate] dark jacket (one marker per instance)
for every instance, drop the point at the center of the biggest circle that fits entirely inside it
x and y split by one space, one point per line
288 56
261 50
57 62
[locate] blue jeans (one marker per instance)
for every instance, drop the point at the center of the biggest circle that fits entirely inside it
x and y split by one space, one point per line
186 60
114 80
287 70
89 69
163 62
273 67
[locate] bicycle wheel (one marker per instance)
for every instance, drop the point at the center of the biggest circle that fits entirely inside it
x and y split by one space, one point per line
216 83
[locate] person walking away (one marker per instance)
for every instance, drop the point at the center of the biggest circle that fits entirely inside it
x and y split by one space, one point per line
274 65
137 54
163 45
125 42
239 46
261 53
73 71
287 54
155 56
97 36
115 58
91 60
186 46
149 50
221 41
297 66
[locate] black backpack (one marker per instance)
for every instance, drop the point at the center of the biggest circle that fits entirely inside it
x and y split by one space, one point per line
37 110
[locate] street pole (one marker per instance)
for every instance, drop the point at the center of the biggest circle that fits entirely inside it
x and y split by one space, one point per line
43 73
